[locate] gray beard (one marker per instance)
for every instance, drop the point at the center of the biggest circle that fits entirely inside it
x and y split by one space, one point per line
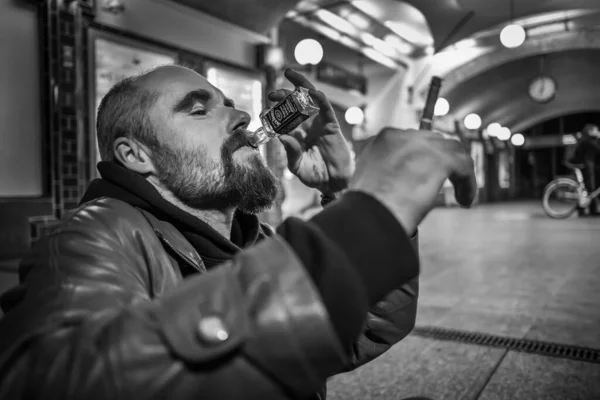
203 184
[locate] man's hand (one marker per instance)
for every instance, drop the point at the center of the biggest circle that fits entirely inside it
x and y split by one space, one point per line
406 169
317 151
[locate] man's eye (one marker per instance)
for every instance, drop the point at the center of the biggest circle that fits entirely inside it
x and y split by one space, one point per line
199 111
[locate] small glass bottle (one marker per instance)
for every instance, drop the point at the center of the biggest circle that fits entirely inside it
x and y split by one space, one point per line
284 116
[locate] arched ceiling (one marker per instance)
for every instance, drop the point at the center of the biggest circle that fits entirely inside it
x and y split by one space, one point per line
577 40
501 94
443 16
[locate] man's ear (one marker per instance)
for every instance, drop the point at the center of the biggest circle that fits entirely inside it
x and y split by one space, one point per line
133 155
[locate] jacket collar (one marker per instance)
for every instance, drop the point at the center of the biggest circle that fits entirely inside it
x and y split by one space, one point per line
173 239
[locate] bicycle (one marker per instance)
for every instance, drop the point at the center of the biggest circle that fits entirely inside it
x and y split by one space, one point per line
566 188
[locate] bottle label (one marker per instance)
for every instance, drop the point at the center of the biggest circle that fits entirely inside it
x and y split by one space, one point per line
282 113
286 115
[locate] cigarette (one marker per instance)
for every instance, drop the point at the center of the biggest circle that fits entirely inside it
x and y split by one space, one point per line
432 96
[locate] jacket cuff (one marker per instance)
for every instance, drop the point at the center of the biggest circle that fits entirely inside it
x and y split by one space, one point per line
373 240
294 339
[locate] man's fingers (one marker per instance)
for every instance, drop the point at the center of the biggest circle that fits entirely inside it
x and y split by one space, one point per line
278 95
299 135
293 151
463 178
325 108
298 79
461 169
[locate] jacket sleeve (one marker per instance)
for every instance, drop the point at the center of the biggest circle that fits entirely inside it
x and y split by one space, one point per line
388 322
87 326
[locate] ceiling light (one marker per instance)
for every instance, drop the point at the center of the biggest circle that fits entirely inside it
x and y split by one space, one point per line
399 44
378 44
359 21
548 29
517 139
336 21
354 116
308 51
384 48
409 33
493 129
368 38
465 44
512 36
472 121
327 31
441 107
503 133
380 58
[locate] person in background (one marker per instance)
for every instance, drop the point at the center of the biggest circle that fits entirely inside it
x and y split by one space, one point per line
163 283
586 153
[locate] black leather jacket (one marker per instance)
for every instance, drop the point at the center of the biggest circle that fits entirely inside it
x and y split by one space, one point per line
104 319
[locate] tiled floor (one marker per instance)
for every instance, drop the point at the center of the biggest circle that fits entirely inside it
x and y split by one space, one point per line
503 269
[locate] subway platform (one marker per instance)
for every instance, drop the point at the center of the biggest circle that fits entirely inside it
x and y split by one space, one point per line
509 309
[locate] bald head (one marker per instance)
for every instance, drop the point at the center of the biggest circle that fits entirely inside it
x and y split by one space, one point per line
164 75
125 110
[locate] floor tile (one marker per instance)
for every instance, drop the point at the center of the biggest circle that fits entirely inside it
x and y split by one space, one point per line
418 366
530 377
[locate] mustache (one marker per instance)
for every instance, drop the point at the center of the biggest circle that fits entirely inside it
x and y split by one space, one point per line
235 141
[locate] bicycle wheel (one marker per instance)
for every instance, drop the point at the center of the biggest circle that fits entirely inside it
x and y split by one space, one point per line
560 198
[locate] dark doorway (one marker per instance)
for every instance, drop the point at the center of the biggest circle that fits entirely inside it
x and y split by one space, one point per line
536 167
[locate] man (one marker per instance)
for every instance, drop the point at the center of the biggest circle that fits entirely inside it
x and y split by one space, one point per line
586 151
145 292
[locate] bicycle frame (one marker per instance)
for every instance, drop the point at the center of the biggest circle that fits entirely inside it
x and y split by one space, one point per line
587 197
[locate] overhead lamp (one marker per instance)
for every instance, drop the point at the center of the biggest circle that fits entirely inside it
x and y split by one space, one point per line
512 36
493 129
308 51
327 31
368 38
384 47
472 121
465 44
441 107
359 21
336 21
406 31
504 133
517 139
378 44
354 116
549 29
378 57
399 44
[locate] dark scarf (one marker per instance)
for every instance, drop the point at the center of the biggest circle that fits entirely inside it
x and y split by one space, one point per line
120 183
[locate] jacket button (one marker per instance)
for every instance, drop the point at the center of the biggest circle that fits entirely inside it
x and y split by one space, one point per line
211 329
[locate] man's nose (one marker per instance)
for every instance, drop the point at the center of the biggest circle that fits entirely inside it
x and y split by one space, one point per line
241 120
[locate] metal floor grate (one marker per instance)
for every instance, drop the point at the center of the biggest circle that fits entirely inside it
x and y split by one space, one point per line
523 345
